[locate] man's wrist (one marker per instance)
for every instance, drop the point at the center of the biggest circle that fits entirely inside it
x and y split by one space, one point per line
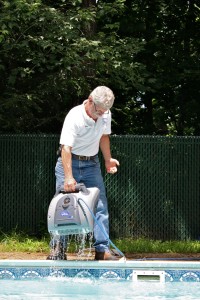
69 179
107 158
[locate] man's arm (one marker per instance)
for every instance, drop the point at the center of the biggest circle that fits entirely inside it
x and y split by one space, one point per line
110 163
70 182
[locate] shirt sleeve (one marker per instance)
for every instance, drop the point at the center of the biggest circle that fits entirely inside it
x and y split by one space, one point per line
107 123
69 131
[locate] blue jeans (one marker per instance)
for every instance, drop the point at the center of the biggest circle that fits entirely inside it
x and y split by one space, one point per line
89 173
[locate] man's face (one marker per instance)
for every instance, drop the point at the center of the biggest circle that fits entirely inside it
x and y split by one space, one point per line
98 111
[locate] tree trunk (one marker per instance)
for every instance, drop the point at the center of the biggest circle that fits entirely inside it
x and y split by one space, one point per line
89 29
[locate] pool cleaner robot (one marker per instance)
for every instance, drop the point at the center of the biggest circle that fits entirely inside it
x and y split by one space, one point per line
72 213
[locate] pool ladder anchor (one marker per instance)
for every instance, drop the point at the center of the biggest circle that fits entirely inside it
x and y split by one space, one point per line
150 275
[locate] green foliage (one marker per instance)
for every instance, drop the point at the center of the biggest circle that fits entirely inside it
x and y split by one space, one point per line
41 72
157 246
21 242
53 53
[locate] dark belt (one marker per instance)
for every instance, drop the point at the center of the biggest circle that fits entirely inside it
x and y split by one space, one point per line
81 157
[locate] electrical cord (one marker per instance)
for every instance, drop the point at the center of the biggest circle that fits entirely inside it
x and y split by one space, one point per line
102 229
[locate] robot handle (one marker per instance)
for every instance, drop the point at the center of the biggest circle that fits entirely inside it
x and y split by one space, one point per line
80 187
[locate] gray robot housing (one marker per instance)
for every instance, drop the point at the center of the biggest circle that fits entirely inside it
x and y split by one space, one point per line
72 213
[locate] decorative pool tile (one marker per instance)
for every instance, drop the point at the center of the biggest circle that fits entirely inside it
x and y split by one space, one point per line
5 274
182 275
188 272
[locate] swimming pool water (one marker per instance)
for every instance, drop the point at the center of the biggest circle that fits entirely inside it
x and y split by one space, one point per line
85 289
92 280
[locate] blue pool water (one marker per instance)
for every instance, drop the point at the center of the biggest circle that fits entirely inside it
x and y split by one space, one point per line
92 280
61 289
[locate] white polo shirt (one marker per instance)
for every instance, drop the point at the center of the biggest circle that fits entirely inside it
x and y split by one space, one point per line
82 133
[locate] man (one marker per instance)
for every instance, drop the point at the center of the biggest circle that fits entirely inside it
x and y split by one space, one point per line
86 129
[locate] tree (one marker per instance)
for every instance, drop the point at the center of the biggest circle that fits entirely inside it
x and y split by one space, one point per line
34 70
169 103
53 53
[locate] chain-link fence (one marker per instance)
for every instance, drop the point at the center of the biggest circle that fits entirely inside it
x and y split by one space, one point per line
155 193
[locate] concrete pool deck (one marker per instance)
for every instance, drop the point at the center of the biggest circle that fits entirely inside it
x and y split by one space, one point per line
73 256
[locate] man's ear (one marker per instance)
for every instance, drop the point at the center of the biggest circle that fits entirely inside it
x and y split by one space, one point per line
90 99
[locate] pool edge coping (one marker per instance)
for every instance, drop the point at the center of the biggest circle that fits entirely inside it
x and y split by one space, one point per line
82 264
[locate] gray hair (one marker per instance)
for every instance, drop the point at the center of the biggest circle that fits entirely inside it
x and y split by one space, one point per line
103 96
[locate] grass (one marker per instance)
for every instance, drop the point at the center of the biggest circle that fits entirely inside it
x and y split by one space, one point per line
156 246
20 242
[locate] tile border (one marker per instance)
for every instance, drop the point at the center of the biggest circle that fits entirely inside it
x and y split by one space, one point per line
183 271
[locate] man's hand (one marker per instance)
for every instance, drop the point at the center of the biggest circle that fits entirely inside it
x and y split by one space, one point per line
69 184
111 165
